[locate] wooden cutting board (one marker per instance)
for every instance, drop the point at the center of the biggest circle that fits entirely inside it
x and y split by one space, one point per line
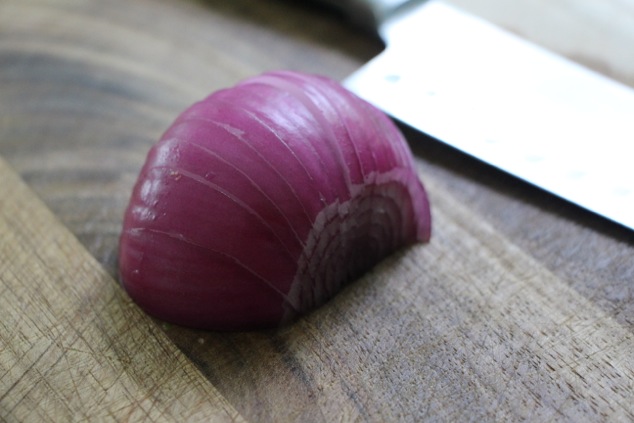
74 347
521 307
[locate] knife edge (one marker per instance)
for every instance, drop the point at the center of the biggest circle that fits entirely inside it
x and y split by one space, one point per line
508 102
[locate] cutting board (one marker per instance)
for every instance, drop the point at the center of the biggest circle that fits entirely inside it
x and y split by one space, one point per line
74 347
521 307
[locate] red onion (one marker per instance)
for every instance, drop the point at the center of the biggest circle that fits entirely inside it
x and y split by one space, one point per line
262 200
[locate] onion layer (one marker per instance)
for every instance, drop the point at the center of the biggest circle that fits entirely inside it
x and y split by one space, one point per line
262 200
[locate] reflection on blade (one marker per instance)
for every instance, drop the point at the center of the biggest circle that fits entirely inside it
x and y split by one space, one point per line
514 105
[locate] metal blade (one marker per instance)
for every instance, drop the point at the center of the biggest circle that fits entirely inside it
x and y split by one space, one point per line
512 104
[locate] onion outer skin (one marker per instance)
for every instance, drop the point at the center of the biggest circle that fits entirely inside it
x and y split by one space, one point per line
262 200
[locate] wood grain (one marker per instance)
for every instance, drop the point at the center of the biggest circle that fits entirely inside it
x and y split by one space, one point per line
521 307
467 328
87 87
72 345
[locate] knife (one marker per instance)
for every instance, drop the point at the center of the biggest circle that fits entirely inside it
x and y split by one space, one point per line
503 100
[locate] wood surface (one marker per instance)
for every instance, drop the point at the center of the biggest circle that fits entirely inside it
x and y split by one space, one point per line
74 346
521 307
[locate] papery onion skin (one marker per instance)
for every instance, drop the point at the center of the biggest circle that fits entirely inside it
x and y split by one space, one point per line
261 201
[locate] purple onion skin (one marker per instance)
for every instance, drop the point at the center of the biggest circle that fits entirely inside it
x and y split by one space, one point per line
261 201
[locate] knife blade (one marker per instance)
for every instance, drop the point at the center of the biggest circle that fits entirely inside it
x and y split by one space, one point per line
503 100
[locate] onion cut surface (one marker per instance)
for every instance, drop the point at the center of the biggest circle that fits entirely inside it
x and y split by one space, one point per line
261 201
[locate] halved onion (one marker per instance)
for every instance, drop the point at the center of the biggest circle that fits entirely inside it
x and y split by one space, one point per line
262 200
